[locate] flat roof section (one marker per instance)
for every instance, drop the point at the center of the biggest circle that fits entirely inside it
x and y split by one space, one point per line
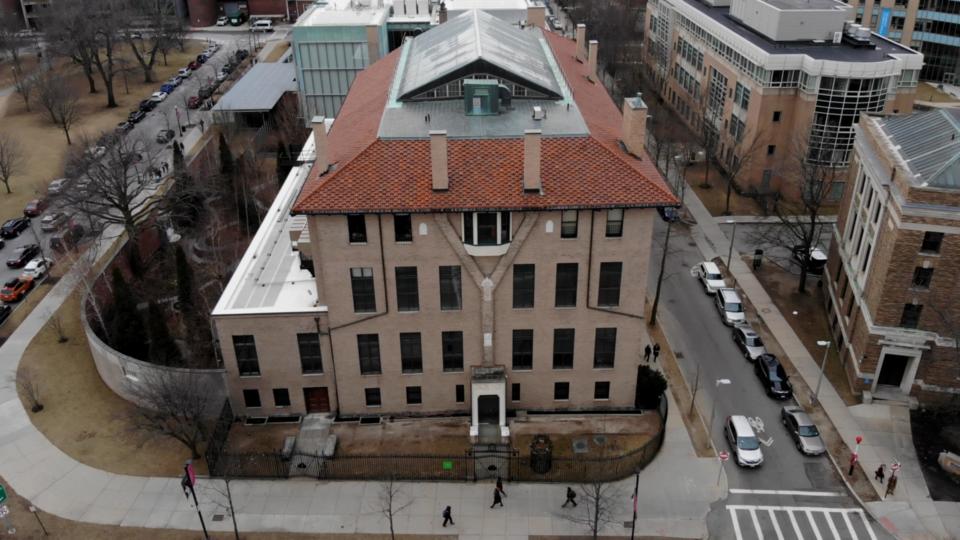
803 5
259 89
345 13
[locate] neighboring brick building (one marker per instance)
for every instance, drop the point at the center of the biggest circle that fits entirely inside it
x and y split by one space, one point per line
473 236
893 299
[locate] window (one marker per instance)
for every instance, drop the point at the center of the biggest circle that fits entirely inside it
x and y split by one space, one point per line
776 116
568 224
373 396
460 393
368 350
408 294
608 293
601 390
411 355
523 349
741 96
451 288
922 277
310 360
486 228
414 395
402 228
931 242
357 228
615 223
281 397
364 298
563 339
452 351
245 348
604 347
771 149
523 285
515 392
251 398
911 315
566 293
866 259
561 391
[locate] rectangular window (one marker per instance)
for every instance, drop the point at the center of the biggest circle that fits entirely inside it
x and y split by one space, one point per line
414 395
411 354
776 116
251 398
523 349
566 293
561 391
281 397
523 285
372 396
452 351
563 339
460 393
615 223
487 228
451 288
245 349
402 228
605 348
357 228
771 149
515 392
922 277
931 242
601 390
568 224
408 294
368 350
911 315
866 259
364 298
608 293
310 359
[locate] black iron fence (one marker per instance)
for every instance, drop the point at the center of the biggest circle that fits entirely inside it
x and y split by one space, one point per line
475 464
218 438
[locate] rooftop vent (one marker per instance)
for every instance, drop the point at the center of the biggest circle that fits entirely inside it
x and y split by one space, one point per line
538 113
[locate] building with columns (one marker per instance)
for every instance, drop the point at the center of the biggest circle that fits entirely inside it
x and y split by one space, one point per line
469 236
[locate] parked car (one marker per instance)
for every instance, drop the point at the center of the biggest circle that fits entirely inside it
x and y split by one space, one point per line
22 255
206 91
263 25
202 58
805 434
147 105
238 19
816 261
749 342
15 289
222 21
37 268
743 441
222 75
124 127
242 54
5 312
774 378
34 208
13 227
184 72
710 277
174 81
668 214
194 102
167 88
729 306
195 65
96 152
57 186
53 221
164 136
67 238
136 116
157 97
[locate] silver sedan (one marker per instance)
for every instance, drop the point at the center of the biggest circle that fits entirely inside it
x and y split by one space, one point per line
802 429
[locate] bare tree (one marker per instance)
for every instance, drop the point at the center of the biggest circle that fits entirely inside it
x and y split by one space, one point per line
149 28
173 404
90 33
29 386
742 155
24 85
710 114
11 41
681 162
597 509
71 34
223 496
391 501
11 159
59 100
56 323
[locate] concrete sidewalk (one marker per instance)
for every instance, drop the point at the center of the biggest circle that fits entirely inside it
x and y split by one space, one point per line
762 219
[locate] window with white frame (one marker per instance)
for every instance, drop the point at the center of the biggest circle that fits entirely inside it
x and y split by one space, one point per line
486 228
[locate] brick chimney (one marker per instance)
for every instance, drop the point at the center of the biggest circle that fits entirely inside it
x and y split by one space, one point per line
581 42
531 160
442 15
592 51
537 15
634 125
438 159
319 125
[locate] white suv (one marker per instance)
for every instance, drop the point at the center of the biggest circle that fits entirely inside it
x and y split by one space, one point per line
710 276
743 441
730 307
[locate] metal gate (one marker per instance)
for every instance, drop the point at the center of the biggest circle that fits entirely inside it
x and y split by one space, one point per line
494 460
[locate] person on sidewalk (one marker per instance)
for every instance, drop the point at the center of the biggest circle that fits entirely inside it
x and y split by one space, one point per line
891 486
879 473
448 516
500 486
497 499
646 353
656 352
571 497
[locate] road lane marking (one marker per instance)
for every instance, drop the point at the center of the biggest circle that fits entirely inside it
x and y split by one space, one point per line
866 525
833 528
756 523
776 524
793 521
827 513
813 525
788 492
853 532
736 523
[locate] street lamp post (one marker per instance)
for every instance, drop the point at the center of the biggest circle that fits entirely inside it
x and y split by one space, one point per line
733 236
36 514
823 365
713 410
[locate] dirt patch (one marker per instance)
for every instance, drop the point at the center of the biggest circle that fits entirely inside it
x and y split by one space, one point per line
929 427
715 197
600 436
278 51
415 436
267 438
929 92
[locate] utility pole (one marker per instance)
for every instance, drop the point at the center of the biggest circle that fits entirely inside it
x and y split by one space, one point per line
636 489
189 479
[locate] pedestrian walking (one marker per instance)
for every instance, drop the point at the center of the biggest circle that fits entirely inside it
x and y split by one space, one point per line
646 353
656 352
879 473
500 486
497 498
571 497
201 125
891 486
448 516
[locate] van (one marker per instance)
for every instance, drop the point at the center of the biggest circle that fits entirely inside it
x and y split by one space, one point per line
743 441
730 307
263 25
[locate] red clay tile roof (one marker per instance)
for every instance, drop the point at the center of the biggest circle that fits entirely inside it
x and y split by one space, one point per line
371 175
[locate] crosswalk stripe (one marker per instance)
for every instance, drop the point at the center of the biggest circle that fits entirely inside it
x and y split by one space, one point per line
833 528
853 532
787 492
776 524
866 525
828 513
813 525
793 521
736 523
756 523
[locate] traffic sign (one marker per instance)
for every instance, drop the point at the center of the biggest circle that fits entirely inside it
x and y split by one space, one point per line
3 494
4 511
895 467
724 456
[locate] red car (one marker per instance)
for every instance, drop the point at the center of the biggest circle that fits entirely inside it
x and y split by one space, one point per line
193 102
15 289
194 65
35 207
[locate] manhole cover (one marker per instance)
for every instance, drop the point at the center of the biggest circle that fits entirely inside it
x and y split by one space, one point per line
600 440
218 517
580 446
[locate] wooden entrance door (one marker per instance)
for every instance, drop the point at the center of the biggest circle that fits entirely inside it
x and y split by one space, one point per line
317 399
